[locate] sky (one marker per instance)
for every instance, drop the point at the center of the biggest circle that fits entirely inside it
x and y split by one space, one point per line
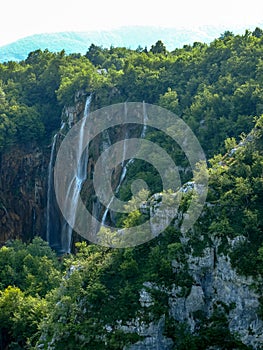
20 18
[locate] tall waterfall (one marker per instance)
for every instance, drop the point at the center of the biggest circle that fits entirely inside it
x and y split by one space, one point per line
50 188
58 231
53 222
145 118
125 166
75 187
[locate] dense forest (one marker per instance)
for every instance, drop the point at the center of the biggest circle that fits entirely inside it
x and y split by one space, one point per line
128 36
102 298
213 87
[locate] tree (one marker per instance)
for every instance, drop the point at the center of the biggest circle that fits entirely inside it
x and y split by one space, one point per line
20 316
226 35
96 54
33 268
170 101
158 48
258 33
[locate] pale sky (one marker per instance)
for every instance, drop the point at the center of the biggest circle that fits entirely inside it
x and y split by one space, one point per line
20 18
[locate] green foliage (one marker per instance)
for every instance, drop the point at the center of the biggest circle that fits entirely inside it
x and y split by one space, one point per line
170 101
28 124
20 316
216 88
211 333
77 75
236 190
158 48
79 302
33 268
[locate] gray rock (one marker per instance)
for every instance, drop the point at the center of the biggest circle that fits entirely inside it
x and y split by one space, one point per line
154 339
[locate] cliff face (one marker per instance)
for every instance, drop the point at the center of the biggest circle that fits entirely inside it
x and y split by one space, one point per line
213 292
216 295
24 183
58 232
23 176
217 289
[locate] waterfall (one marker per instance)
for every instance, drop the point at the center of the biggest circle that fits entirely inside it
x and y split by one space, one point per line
104 217
75 187
125 166
58 231
50 191
145 118
53 212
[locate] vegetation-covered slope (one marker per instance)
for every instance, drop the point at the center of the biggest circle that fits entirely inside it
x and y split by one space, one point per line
182 291
93 299
216 88
130 37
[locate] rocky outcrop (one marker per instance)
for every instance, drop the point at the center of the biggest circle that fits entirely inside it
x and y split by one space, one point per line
153 337
215 285
24 182
22 193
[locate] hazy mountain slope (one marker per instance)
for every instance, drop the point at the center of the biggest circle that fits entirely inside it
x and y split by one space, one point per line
79 42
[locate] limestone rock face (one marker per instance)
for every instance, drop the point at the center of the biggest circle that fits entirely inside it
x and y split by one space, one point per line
154 338
220 284
24 183
24 180
22 193
215 285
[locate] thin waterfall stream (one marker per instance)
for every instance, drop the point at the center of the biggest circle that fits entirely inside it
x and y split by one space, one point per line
125 166
75 187
51 200
50 187
59 234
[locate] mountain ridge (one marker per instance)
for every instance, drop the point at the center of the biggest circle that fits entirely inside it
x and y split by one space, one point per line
130 37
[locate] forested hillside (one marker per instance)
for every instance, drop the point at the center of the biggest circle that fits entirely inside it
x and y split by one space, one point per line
214 87
196 290
131 36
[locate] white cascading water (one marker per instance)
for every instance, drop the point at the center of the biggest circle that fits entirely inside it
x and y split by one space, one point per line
75 185
125 166
58 231
50 186
145 117
50 191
